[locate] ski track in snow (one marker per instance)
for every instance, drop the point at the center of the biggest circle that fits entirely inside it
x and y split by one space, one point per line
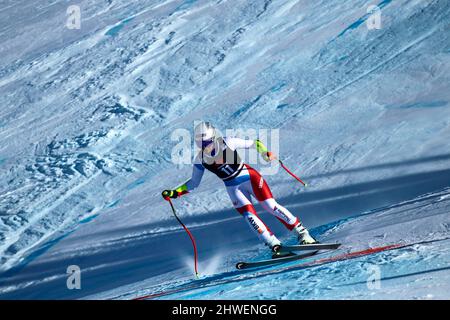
85 140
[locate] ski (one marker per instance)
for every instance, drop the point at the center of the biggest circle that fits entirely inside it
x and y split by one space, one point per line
236 276
315 246
245 265
303 247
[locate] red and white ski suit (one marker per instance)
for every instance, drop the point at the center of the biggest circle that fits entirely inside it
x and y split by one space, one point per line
241 187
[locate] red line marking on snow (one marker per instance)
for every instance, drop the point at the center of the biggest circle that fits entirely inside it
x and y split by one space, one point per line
164 293
355 254
342 257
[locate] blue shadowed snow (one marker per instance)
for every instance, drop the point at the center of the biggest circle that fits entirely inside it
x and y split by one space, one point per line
427 104
246 107
362 116
281 106
34 255
333 281
114 203
116 29
186 4
136 183
278 87
42 249
88 219
363 19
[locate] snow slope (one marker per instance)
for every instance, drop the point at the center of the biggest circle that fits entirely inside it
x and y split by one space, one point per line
419 271
87 117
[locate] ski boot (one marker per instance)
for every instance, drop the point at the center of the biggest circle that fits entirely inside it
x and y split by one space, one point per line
303 235
274 244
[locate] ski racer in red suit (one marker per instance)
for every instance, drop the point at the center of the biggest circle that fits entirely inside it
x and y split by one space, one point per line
219 155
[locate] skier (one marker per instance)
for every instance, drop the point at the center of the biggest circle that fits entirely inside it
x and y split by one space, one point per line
219 155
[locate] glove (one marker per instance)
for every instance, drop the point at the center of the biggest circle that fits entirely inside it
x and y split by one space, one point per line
269 156
166 194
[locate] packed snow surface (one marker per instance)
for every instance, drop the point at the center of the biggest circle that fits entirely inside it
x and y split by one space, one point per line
87 119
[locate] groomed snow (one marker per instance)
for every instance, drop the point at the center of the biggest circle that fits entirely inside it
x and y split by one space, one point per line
87 115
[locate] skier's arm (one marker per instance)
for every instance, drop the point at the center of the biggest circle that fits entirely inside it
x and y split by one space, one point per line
237 143
191 184
262 149
194 181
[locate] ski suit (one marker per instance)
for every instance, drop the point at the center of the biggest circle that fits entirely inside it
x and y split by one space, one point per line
241 182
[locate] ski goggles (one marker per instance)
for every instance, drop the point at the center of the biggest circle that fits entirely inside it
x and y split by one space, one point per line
204 143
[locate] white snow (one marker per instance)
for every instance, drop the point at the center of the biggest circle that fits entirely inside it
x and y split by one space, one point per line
85 151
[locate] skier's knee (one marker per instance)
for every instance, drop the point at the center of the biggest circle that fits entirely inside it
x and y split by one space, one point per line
247 208
269 204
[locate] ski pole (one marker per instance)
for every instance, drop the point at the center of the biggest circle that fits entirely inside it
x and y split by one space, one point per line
189 233
288 171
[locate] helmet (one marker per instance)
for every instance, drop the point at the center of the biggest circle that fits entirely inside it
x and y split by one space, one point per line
204 134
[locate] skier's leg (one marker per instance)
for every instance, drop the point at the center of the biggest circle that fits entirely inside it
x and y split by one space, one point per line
288 219
242 203
262 193
281 213
263 232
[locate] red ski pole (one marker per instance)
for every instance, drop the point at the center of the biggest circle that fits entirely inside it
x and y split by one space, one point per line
189 234
288 171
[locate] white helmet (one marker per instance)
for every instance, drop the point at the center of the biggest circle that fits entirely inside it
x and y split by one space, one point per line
204 134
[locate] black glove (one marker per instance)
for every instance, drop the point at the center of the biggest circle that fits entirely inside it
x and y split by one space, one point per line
166 194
